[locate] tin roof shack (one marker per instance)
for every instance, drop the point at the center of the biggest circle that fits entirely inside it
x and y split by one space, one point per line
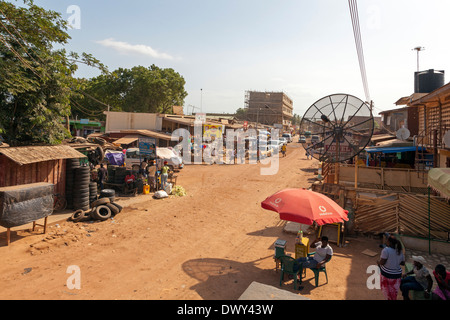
34 164
393 120
434 124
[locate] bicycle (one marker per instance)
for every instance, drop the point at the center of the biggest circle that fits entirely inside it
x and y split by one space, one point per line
59 202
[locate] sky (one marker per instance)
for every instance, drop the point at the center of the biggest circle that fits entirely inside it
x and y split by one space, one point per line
224 48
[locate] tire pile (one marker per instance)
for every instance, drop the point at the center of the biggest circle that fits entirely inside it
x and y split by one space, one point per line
81 189
71 165
100 209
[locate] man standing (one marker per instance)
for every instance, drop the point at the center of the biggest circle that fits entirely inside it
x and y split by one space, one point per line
102 175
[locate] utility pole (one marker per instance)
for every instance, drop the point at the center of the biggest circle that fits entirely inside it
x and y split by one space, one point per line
418 49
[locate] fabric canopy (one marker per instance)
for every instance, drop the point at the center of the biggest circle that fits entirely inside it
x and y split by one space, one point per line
439 180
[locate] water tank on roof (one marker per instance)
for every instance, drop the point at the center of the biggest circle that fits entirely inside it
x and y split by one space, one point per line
428 81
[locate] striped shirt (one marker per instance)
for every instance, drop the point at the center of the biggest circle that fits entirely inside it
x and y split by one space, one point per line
392 268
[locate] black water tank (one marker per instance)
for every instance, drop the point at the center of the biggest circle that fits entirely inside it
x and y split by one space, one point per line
428 81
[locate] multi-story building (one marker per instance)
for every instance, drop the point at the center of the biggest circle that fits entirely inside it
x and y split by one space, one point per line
269 108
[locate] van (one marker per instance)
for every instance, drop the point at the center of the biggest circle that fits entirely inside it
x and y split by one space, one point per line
133 158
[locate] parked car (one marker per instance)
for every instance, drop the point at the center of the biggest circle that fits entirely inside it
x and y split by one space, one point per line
134 159
276 145
284 140
302 139
315 139
288 137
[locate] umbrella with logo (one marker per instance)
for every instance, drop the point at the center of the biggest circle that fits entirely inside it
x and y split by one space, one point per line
305 207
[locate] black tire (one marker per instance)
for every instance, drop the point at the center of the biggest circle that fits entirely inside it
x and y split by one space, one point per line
101 213
118 206
113 208
80 215
100 202
107 193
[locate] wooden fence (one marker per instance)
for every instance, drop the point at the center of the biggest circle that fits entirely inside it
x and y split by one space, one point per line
377 211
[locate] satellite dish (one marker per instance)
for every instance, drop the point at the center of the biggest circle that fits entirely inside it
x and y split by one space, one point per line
447 139
403 134
341 126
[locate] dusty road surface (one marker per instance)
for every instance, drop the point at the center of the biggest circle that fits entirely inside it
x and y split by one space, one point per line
209 245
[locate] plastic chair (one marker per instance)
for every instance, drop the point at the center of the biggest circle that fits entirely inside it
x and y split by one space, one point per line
288 265
317 271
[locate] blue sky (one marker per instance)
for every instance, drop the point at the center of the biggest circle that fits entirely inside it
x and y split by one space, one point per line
304 48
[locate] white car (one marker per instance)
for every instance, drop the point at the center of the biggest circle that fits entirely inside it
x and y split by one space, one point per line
288 137
276 145
133 158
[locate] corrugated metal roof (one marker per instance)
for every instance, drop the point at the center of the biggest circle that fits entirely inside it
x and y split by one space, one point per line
34 154
126 140
149 133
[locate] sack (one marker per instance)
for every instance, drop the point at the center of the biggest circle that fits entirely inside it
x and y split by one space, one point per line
168 188
160 194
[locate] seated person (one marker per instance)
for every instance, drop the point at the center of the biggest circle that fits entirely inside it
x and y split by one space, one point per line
323 253
422 280
442 276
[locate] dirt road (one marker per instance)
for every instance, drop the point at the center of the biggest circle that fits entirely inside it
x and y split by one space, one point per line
211 244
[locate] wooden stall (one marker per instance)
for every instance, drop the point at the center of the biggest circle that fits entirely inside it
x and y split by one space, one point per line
25 165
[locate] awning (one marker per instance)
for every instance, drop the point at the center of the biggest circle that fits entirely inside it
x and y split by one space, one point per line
126 140
439 181
34 154
392 150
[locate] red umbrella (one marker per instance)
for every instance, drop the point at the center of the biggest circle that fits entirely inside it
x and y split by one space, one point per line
305 207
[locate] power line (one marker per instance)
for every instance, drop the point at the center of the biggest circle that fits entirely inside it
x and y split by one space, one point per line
359 47
17 31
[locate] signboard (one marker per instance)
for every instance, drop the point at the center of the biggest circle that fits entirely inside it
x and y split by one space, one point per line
212 131
147 147
200 117
84 121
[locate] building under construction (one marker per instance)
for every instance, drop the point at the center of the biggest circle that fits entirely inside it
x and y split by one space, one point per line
269 108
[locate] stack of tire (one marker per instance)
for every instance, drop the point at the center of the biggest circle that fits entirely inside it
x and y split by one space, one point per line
108 193
119 175
81 182
111 173
93 191
102 209
71 165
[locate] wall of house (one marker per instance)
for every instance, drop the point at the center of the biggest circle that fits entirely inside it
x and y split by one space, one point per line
12 174
116 121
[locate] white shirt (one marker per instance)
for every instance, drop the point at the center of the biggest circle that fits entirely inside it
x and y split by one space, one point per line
321 253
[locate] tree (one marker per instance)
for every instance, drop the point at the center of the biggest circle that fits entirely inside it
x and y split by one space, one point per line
241 114
140 89
36 80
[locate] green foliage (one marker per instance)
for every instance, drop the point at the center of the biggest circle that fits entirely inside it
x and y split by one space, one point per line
140 89
36 81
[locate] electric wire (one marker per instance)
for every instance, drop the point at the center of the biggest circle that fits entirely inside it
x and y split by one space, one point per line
359 47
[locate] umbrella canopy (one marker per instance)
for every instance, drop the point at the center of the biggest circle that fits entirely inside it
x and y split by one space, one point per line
305 207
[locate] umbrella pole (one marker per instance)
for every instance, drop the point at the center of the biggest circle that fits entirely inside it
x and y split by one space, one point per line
429 221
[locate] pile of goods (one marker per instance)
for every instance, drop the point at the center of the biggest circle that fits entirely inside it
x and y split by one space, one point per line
101 209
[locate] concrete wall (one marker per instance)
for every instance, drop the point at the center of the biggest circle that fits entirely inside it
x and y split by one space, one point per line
116 121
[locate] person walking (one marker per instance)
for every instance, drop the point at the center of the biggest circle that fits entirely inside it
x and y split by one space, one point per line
391 260
283 150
